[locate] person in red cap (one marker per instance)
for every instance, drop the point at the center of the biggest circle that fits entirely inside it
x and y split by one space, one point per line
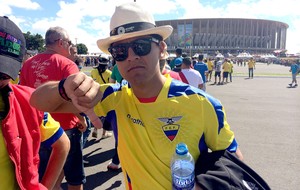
23 128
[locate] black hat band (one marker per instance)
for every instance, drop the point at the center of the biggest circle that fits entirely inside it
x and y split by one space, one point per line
131 27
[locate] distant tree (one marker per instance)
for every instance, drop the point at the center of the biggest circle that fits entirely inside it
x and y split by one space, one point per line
82 49
34 42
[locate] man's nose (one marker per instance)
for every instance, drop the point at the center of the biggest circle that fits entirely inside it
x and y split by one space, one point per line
132 55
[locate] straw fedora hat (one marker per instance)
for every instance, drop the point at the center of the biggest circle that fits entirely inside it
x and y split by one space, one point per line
130 20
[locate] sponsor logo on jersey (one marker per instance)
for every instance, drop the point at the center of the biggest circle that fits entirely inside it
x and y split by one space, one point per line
135 120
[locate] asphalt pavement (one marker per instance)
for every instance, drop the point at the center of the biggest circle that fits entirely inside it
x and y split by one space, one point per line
264 113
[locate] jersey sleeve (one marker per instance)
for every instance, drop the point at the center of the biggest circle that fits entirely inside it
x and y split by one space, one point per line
50 130
218 135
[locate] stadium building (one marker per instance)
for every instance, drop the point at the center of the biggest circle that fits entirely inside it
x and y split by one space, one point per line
226 35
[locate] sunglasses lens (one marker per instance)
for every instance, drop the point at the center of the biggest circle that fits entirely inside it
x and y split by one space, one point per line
119 52
141 47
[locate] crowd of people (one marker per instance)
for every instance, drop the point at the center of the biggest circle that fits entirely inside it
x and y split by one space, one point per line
218 71
47 117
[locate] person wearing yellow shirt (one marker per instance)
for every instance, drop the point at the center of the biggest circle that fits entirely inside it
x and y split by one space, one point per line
101 74
226 69
251 66
210 66
151 114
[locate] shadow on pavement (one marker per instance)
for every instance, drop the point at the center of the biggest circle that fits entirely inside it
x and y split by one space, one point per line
91 142
100 178
96 180
95 159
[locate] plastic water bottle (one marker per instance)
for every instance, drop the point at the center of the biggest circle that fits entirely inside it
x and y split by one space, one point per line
182 169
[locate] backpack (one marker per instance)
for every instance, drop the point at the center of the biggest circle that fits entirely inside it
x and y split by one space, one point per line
223 170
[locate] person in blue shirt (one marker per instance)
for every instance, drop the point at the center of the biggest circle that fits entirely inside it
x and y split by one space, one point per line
202 68
295 70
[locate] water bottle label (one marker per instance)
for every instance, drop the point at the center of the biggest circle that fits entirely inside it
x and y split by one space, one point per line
183 183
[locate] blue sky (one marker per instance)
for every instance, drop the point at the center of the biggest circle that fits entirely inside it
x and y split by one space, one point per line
88 20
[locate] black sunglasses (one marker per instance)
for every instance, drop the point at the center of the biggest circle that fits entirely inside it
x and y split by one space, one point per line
4 76
140 47
68 41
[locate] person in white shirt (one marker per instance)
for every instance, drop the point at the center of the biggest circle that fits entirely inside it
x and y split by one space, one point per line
218 70
192 76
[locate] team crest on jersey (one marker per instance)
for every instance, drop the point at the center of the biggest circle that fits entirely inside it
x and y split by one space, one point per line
171 128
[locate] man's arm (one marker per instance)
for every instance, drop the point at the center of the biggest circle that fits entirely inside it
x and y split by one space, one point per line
47 98
201 86
60 150
83 91
82 126
239 154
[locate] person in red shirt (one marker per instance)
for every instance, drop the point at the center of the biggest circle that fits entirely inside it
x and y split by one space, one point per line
53 65
164 70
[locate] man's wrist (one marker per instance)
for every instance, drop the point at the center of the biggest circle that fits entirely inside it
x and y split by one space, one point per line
62 91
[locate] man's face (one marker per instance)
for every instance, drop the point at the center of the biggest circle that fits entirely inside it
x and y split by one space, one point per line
64 46
73 50
73 53
140 63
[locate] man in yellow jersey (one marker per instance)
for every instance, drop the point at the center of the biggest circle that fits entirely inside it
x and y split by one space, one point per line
210 66
226 69
151 114
251 67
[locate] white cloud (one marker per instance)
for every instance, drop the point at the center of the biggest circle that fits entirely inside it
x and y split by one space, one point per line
88 20
293 41
5 9
24 4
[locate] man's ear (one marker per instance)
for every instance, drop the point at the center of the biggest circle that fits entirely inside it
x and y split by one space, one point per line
162 48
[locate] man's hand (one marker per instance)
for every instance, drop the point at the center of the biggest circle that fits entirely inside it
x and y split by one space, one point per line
82 125
85 94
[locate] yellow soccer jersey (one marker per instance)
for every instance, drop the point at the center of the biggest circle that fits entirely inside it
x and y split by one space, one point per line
226 66
251 64
50 132
147 133
210 65
96 76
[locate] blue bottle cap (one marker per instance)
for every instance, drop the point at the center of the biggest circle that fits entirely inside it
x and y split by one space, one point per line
181 149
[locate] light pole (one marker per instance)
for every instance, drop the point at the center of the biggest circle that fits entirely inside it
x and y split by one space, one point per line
75 41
